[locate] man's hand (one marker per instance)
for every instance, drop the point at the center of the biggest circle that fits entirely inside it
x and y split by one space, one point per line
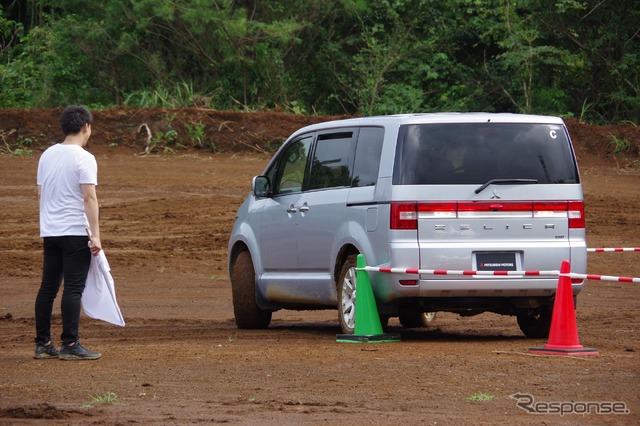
95 245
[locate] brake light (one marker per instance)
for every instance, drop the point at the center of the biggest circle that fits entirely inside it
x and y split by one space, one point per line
437 210
576 214
550 209
404 216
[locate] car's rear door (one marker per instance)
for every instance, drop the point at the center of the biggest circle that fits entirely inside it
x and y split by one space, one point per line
508 201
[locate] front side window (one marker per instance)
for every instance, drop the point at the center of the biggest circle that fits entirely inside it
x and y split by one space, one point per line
475 153
288 174
330 166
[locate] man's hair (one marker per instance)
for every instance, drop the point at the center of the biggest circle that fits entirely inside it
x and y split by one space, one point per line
73 118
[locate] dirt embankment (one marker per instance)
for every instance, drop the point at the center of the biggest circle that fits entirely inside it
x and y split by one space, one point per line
193 129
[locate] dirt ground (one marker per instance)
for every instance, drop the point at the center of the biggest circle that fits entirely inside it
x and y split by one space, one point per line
165 220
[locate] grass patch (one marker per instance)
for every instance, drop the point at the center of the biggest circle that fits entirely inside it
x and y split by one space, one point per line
620 145
625 149
108 398
481 397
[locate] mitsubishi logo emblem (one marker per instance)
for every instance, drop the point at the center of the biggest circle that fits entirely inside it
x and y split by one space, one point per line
495 195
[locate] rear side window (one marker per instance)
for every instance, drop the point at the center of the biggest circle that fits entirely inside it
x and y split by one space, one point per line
330 166
367 162
474 153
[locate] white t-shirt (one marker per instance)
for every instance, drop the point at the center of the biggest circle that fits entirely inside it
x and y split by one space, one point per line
62 170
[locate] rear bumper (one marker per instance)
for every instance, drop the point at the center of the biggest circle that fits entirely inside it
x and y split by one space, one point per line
491 287
388 289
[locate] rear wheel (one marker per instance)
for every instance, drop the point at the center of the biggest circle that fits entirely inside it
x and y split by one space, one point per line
243 288
536 323
347 295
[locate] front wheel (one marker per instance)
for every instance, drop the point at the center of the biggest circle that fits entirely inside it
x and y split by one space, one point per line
243 288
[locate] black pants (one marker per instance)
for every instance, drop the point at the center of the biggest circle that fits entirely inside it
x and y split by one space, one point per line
65 258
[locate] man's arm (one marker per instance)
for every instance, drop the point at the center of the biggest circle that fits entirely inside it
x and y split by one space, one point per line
91 209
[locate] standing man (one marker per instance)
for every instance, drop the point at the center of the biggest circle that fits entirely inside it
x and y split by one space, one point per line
67 179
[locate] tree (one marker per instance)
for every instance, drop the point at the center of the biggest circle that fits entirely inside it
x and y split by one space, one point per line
563 57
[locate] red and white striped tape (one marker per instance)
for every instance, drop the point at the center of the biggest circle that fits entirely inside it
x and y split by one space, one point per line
608 250
410 271
602 278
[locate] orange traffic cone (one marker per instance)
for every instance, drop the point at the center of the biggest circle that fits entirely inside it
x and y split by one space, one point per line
563 335
368 328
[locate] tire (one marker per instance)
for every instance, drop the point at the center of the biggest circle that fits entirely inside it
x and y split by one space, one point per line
535 324
384 322
247 313
410 319
347 295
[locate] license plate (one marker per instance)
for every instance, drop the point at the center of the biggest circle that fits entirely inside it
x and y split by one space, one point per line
496 261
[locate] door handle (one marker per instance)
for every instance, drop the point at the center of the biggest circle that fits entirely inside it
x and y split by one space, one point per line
304 208
292 209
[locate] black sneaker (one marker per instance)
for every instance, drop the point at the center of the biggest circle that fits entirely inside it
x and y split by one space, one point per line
77 352
45 351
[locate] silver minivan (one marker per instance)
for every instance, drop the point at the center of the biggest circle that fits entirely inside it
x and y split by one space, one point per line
445 191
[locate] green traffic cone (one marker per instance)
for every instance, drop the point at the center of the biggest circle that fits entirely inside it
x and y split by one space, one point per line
368 328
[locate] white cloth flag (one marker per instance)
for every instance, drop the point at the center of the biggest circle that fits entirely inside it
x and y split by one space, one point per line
99 296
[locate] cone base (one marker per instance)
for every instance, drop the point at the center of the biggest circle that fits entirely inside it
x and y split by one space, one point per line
567 352
367 338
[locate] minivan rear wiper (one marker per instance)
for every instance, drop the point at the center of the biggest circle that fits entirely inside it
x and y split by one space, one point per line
505 182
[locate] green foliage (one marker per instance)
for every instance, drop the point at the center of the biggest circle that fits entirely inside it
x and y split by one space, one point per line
10 32
181 95
481 397
20 77
109 398
196 133
21 147
627 150
398 99
164 142
620 145
564 57
163 138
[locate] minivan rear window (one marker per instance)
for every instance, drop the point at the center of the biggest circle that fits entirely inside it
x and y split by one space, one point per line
474 153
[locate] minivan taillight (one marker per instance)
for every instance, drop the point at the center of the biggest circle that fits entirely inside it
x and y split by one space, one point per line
404 215
438 210
576 214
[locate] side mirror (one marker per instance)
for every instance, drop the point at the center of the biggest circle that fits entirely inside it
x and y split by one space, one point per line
260 186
